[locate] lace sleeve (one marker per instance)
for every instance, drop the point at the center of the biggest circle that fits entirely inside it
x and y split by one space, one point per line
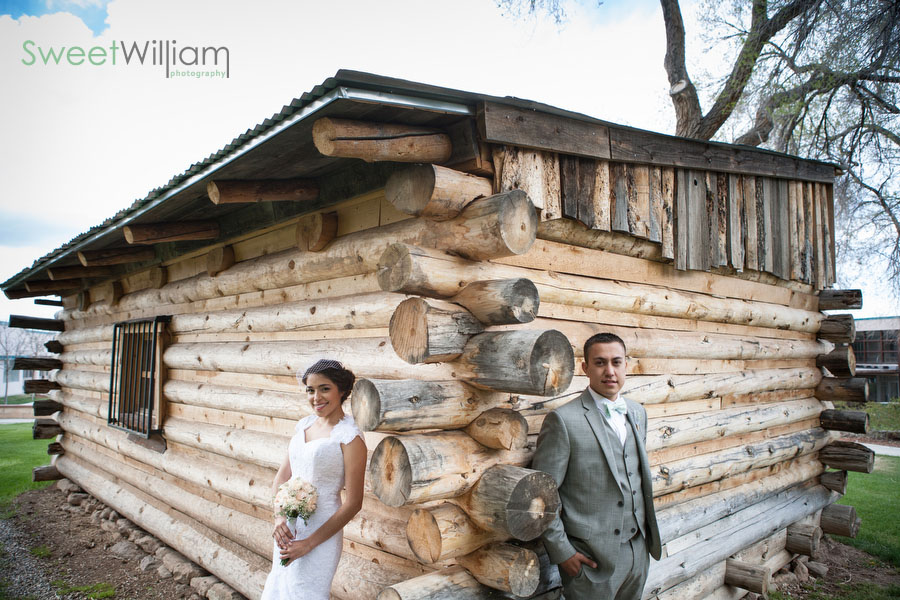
346 430
303 424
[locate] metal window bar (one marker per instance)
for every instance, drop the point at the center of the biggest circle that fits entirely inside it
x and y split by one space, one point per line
132 380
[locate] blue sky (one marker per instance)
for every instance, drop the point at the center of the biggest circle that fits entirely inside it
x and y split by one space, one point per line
91 12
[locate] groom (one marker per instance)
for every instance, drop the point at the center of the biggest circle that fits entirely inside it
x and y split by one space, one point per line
593 447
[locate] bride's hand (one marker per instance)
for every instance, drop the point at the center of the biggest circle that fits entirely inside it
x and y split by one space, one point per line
281 533
295 549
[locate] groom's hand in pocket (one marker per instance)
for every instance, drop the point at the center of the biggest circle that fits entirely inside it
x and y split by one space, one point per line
572 566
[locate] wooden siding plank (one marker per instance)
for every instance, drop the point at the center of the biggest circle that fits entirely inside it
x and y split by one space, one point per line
783 238
749 223
681 219
795 216
697 221
568 186
763 224
586 189
668 213
500 124
601 196
639 203
735 241
820 236
622 189
830 256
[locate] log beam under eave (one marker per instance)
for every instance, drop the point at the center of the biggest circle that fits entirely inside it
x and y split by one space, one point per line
175 231
381 141
115 256
77 271
264 190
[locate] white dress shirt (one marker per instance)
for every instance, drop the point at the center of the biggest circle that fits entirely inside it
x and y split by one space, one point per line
615 419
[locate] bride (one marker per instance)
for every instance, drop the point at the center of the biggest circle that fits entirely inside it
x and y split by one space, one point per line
327 450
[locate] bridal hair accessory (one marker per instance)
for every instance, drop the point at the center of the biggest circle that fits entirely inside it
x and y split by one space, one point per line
319 366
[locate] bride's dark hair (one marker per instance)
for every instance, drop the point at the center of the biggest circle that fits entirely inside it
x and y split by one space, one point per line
333 370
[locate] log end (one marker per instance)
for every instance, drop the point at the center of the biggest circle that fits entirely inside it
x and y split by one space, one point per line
394 268
212 190
410 190
365 402
553 363
500 429
390 472
533 506
408 330
424 536
519 222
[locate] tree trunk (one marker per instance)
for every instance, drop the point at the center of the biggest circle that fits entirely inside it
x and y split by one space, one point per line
840 362
513 502
834 389
434 192
854 421
836 481
501 301
422 467
505 567
839 519
804 539
848 456
264 190
445 531
840 329
840 299
752 578
431 331
372 141
500 429
522 361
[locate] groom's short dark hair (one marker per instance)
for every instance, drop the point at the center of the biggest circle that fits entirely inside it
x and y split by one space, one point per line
603 338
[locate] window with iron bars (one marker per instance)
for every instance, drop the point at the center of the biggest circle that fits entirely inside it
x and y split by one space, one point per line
135 383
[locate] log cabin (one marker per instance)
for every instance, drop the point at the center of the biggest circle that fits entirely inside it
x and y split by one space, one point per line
455 250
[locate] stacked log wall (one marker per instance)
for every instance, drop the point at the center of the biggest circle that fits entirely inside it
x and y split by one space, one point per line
724 364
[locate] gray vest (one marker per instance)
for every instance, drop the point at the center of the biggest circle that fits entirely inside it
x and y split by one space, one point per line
628 474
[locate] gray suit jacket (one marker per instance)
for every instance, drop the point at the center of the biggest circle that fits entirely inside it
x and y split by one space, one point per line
573 450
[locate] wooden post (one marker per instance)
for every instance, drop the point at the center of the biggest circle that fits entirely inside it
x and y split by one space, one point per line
380 141
836 481
840 329
44 429
445 531
48 286
499 428
839 519
45 408
532 361
316 230
854 421
848 456
45 473
23 363
237 191
174 231
24 322
40 386
505 567
513 501
115 256
840 362
434 192
431 331
219 259
843 389
803 539
753 578
78 272
501 301
840 299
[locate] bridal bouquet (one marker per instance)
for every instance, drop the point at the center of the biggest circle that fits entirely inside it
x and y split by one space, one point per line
296 499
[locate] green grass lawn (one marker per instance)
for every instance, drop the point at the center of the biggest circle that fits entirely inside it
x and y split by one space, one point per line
18 399
18 455
876 497
882 417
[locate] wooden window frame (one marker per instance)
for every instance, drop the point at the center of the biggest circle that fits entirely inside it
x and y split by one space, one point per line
136 376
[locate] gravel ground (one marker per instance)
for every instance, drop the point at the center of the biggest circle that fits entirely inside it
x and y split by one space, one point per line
24 578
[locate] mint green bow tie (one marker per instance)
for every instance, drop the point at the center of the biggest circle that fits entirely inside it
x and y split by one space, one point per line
618 406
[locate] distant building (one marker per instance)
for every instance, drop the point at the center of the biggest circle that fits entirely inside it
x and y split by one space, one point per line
877 356
17 343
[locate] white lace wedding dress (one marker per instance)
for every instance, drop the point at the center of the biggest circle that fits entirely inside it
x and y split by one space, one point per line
321 462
